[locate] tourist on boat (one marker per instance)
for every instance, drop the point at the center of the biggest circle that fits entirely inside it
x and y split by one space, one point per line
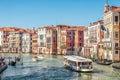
90 65
3 63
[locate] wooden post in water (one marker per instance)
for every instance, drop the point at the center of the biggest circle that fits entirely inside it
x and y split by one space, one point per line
9 60
21 59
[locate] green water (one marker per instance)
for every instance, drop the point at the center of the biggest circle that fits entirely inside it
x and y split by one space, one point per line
51 68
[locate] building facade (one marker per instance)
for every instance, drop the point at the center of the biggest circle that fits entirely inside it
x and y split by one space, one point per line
15 42
42 40
61 38
34 41
87 45
112 34
51 40
92 37
1 40
26 42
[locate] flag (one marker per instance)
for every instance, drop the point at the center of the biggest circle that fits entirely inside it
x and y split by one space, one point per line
108 32
101 34
103 28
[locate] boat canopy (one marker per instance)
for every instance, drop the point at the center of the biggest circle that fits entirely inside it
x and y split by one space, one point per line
77 58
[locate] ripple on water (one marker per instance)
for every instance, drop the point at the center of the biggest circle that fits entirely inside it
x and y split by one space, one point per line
51 73
51 68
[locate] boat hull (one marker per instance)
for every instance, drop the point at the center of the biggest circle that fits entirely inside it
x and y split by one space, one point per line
107 63
2 68
78 70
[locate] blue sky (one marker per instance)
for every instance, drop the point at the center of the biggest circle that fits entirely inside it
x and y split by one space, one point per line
37 13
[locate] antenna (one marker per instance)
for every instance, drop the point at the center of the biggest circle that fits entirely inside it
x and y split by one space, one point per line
106 1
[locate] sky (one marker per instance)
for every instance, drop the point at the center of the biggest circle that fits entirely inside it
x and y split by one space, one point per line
39 13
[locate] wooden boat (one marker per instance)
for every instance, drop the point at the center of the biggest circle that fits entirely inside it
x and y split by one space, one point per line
116 66
101 63
2 59
37 58
77 63
3 67
12 63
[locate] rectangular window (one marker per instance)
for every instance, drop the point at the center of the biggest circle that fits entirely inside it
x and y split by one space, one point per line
41 36
48 46
116 44
116 52
116 34
70 44
80 39
34 40
80 44
58 39
80 32
42 44
63 38
48 40
54 39
116 19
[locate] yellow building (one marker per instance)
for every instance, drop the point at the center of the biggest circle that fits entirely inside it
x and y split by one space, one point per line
111 38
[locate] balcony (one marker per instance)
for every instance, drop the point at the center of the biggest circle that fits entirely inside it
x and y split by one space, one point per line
107 40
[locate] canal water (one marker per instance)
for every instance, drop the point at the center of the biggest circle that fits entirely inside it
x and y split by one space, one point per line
51 68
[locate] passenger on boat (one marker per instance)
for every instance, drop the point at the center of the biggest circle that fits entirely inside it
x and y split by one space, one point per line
3 63
90 65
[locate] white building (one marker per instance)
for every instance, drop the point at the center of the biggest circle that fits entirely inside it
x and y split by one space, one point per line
1 37
1 40
86 48
111 36
42 40
26 42
92 38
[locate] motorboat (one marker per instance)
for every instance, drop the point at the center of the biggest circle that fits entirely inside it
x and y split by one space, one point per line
12 63
37 58
103 63
116 66
77 63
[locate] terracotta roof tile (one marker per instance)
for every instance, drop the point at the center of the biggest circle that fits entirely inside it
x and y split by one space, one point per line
115 8
77 28
50 27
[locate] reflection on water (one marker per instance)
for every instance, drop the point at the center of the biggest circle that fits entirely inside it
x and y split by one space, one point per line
51 68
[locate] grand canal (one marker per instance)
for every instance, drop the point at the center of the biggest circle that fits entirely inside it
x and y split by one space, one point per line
51 68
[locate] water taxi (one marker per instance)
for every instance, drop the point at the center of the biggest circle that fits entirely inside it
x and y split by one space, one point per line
78 63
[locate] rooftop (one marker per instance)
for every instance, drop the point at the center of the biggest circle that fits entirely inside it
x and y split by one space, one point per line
115 8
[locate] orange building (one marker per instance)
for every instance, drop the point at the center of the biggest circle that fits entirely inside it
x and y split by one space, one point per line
4 39
15 41
34 42
69 39
11 39
78 39
51 40
61 38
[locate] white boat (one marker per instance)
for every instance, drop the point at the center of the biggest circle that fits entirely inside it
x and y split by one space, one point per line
77 63
37 58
